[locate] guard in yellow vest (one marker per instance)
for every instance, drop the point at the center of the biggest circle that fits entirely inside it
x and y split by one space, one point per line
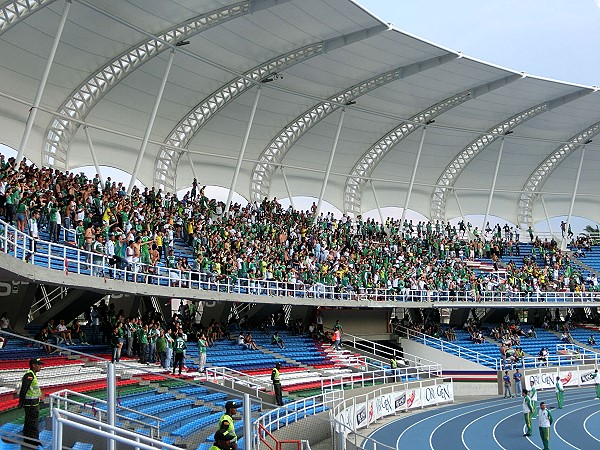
29 399
226 423
277 384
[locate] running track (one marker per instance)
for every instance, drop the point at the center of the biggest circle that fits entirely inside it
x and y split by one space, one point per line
495 424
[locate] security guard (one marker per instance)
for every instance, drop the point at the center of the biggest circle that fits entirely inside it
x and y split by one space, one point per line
393 363
277 384
226 424
222 441
29 399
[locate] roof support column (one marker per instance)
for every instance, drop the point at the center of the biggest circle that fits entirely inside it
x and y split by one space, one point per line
460 210
413 175
563 244
491 196
192 165
287 187
330 162
242 151
377 202
43 81
94 158
140 157
547 216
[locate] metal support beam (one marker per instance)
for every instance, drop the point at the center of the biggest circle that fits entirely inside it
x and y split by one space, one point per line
43 81
93 153
377 202
242 151
329 163
140 157
413 175
111 407
564 242
546 214
491 196
192 165
287 187
460 210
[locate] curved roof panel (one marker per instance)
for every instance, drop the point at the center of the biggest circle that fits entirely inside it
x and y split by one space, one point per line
97 33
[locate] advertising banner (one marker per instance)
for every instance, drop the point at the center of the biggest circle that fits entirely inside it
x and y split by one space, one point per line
587 377
440 393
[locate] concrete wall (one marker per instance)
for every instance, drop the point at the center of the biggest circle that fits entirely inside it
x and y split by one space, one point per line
358 321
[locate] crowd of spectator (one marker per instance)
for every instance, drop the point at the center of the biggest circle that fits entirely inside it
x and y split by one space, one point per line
263 244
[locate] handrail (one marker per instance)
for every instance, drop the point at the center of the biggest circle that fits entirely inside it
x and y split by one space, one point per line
60 399
225 373
52 255
62 418
462 351
275 419
377 349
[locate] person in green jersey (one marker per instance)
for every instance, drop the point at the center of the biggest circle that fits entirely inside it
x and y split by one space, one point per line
545 421
178 350
528 410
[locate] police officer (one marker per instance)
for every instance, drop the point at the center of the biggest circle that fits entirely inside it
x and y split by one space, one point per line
29 399
277 384
226 424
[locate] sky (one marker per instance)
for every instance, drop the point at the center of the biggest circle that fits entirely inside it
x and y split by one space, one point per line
556 39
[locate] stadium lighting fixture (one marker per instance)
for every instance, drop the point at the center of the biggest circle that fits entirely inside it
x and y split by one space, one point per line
182 43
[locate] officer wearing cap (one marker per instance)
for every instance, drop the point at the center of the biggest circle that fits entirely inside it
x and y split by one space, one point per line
29 399
223 441
277 384
226 424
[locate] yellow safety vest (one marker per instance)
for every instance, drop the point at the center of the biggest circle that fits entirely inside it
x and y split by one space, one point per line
34 392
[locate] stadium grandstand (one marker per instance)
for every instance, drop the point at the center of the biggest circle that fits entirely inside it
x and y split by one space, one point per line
355 315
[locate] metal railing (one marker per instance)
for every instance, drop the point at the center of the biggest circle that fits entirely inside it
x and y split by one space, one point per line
60 400
452 348
382 402
231 377
62 418
385 351
284 415
74 260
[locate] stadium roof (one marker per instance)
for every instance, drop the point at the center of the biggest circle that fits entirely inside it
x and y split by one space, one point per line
315 69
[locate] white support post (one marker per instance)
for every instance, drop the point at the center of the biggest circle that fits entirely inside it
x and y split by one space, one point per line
111 398
242 151
546 214
329 163
94 158
491 196
564 242
140 156
247 421
192 165
413 175
43 81
287 187
377 201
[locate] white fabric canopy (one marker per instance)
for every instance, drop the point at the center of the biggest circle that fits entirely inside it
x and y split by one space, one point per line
332 47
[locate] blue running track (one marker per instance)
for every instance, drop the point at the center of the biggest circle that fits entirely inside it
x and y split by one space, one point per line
495 424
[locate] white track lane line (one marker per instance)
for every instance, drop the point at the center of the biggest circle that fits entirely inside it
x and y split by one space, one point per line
565 415
585 426
462 435
441 413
